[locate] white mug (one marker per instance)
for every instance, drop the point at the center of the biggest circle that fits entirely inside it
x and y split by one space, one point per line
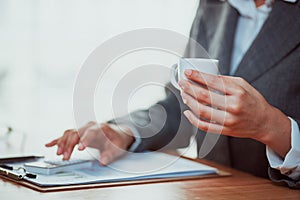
206 65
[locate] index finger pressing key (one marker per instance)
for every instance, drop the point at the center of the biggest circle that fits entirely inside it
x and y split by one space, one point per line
52 143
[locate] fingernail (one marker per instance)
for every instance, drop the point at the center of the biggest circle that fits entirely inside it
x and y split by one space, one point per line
183 95
59 150
186 113
66 155
104 161
182 84
188 72
80 146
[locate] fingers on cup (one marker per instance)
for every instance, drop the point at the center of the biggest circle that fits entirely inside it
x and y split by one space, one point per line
203 95
219 83
202 124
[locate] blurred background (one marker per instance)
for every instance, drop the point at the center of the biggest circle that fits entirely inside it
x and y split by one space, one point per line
44 43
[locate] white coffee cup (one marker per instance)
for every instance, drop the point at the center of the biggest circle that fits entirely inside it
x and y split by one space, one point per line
205 65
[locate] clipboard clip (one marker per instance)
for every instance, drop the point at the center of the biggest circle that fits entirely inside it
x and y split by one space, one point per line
8 171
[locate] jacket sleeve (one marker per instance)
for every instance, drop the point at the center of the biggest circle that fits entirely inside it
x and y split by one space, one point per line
162 126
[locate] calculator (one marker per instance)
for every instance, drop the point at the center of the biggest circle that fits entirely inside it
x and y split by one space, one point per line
49 167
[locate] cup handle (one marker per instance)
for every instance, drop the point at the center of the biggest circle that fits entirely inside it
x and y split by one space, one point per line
173 74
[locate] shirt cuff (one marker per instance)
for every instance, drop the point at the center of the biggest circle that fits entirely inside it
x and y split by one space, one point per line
290 166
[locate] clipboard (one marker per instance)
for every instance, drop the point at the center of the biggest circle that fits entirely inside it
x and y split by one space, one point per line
154 179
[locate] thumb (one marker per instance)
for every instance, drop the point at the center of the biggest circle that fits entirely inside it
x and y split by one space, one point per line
81 146
105 157
110 154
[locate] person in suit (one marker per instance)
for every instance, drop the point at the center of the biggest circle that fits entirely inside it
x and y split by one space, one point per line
258 48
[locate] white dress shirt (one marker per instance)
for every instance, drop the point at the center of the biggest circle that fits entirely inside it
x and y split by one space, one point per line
249 24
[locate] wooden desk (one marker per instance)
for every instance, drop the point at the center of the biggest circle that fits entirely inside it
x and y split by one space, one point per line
238 186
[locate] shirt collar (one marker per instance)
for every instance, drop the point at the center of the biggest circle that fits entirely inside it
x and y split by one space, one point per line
247 8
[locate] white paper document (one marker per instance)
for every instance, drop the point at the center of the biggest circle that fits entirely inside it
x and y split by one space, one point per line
133 166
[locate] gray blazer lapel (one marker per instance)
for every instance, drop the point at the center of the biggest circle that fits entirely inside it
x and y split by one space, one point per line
279 35
214 28
221 21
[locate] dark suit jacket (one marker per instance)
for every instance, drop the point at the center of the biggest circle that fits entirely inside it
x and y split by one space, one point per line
271 65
